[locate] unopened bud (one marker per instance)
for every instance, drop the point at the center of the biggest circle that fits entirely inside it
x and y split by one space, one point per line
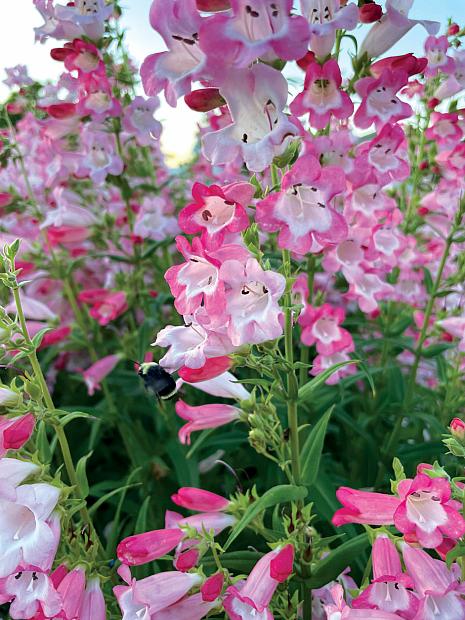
457 429
9 398
453 30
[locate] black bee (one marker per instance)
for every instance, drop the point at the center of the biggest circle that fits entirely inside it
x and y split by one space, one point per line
157 380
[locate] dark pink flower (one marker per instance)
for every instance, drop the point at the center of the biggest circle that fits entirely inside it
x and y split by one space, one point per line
199 500
15 432
109 308
380 105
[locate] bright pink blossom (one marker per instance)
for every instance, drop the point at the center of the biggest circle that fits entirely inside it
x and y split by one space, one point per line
251 598
324 19
93 603
302 210
203 417
199 500
322 96
94 375
321 327
30 592
15 432
436 53
365 507
110 308
427 510
380 105
149 546
217 211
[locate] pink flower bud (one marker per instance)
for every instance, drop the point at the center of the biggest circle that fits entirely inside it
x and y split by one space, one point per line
15 432
453 30
457 428
5 199
204 99
143 548
370 13
187 560
93 604
62 110
212 587
432 103
199 500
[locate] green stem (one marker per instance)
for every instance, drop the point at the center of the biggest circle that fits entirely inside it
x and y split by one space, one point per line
305 350
417 173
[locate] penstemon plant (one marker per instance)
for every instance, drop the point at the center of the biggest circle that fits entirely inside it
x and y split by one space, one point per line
269 338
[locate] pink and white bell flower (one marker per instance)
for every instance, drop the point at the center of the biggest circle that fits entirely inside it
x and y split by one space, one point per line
393 25
455 326
99 370
436 53
138 120
339 610
30 593
260 129
368 289
386 154
216 522
53 26
252 296
159 591
12 473
263 29
380 104
17 76
192 607
390 589
178 23
191 345
225 385
217 211
301 211
96 98
199 500
250 599
197 282
112 305
427 511
93 602
321 327
202 417
445 129
324 362
325 17
29 532
455 82
153 220
15 432
438 586
89 16
71 588
322 96
99 156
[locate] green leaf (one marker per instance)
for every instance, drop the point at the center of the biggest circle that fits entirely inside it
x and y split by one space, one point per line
337 560
428 280
306 390
82 475
111 494
241 562
437 349
66 419
277 495
43 444
37 340
141 523
312 450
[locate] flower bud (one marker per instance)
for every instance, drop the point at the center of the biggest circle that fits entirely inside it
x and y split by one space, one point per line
457 429
370 13
9 398
453 30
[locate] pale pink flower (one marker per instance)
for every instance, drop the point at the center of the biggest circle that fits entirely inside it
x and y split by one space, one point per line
94 375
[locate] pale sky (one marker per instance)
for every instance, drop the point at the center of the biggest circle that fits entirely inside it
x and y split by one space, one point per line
179 124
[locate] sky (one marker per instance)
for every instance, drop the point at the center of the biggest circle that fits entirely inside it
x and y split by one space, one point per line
179 124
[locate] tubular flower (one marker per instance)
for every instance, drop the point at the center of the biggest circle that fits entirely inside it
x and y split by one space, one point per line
203 417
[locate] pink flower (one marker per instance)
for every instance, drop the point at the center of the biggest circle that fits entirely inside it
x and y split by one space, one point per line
138 120
99 156
199 500
457 428
405 62
436 53
321 327
30 592
252 598
445 129
368 289
440 591
365 507
89 17
178 22
98 371
71 588
379 102
258 30
222 386
390 588
393 25
96 99
341 611
203 417
29 533
259 129
149 546
217 211
81 56
455 326
325 18
15 432
110 308
213 367
93 602
324 362
426 510
456 81
189 608
322 96
301 211
252 296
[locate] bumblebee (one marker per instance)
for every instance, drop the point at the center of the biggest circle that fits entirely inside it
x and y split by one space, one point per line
157 380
